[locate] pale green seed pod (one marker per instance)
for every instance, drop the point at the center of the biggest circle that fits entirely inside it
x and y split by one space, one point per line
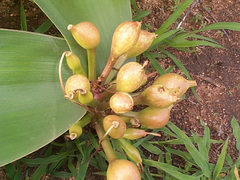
85 98
144 41
177 84
121 102
74 63
86 34
75 131
133 133
121 169
130 77
130 150
125 37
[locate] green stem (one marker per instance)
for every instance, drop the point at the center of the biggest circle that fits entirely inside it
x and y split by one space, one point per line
91 64
117 65
85 120
107 147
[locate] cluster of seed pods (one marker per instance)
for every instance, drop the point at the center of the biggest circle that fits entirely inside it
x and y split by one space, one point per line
98 95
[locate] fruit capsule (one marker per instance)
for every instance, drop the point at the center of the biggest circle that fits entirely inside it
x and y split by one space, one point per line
158 96
133 133
74 83
86 34
115 125
130 150
121 102
74 63
124 38
144 41
130 77
122 169
177 84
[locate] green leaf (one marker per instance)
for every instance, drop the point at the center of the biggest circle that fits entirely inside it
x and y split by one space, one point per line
220 161
23 18
105 15
33 111
44 27
177 13
201 146
39 172
236 132
221 25
185 43
155 63
196 155
141 15
172 170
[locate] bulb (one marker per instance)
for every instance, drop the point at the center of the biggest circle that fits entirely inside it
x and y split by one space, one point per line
130 77
121 102
86 34
177 84
117 125
125 37
122 169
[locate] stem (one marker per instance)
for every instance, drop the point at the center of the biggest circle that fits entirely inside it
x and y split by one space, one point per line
138 99
107 69
103 106
192 83
60 72
91 64
107 147
105 95
85 120
117 65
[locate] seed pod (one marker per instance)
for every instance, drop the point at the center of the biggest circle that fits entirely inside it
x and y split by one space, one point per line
158 96
75 130
130 77
115 125
122 169
125 37
154 118
132 133
144 41
86 34
74 83
177 84
121 102
85 97
74 63
130 150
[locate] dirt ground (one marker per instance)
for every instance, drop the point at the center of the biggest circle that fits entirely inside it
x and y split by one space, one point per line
217 71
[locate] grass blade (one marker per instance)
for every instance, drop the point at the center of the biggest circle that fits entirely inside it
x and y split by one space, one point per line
44 27
236 132
141 15
10 170
172 170
221 25
155 63
177 13
39 172
201 146
23 18
134 5
220 161
185 43
162 37
151 148
196 155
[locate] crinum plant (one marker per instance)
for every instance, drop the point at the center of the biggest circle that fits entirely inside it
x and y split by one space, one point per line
34 111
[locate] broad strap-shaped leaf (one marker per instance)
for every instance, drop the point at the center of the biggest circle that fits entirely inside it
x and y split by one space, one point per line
33 111
106 15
